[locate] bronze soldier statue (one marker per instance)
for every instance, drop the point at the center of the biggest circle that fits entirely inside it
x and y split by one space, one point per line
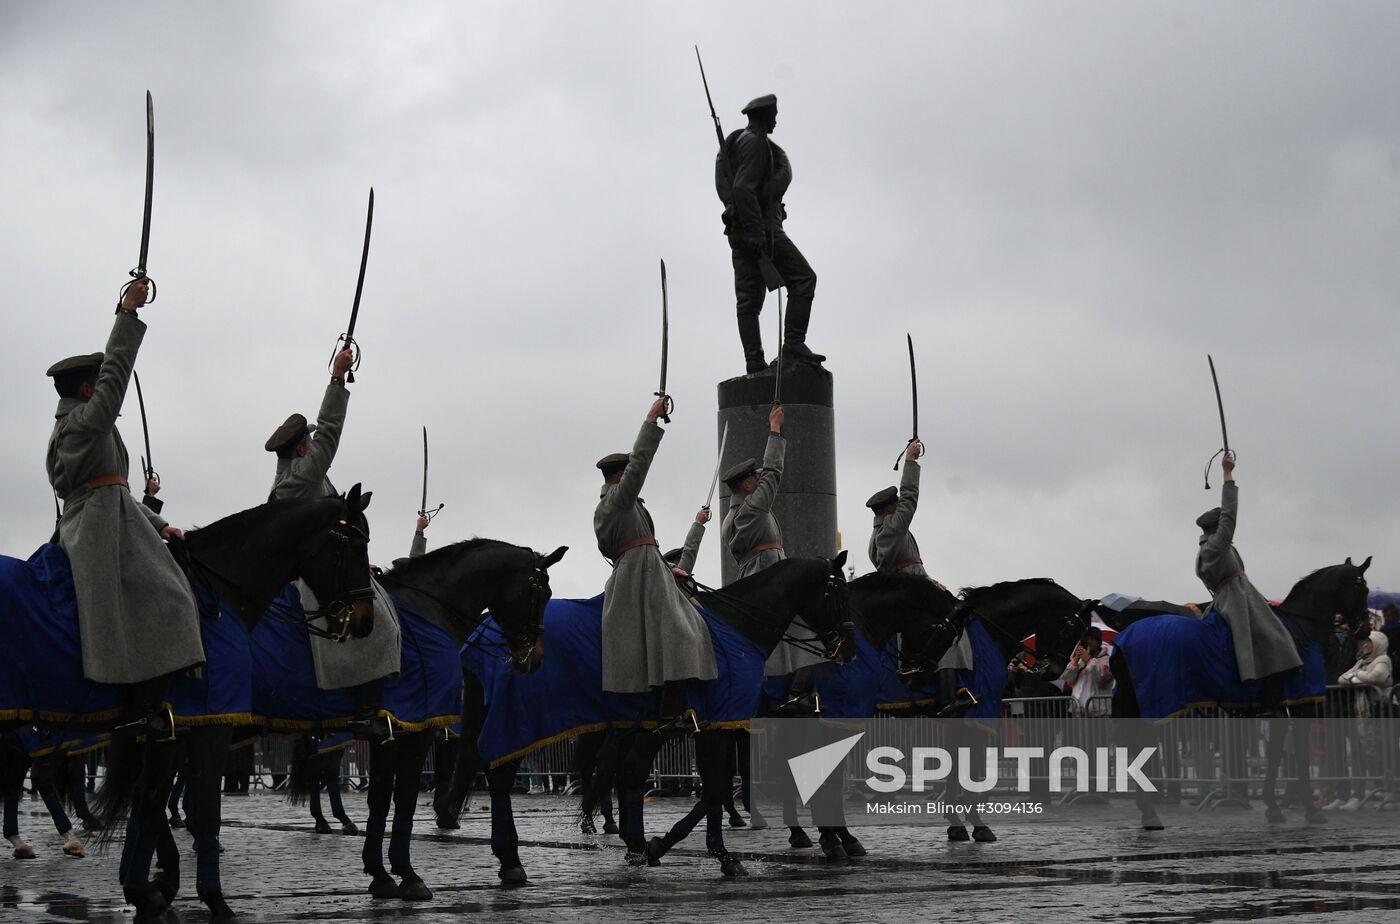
751 176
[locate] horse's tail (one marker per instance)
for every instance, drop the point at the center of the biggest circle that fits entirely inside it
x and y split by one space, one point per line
138 779
304 774
597 781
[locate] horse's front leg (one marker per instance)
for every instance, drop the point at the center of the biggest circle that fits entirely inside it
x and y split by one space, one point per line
637 752
412 751
208 749
1302 755
144 833
381 791
712 763
505 842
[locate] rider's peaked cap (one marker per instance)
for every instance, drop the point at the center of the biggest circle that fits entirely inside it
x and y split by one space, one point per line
739 472
1209 520
613 460
882 498
294 429
766 101
75 364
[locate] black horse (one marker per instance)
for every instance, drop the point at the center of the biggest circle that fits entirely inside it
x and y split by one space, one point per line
1309 611
242 561
761 608
452 588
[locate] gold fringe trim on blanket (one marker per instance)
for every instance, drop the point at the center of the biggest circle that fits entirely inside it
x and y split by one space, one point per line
224 718
343 723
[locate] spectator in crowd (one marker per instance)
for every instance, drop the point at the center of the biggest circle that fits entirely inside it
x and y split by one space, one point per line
1372 677
1087 678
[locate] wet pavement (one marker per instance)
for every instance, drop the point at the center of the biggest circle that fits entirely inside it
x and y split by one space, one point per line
1220 866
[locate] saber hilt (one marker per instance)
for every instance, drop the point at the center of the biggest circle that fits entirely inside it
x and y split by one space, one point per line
150 501
912 440
668 407
346 342
431 513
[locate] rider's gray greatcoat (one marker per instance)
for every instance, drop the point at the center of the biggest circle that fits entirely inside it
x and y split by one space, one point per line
306 476
691 549
1262 643
651 633
136 616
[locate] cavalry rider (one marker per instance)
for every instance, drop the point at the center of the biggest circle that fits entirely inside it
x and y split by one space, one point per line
652 636
304 457
751 176
684 557
893 549
753 536
136 614
1264 649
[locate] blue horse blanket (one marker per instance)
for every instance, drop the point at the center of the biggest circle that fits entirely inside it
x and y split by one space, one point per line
426 693
565 696
870 682
41 672
1178 664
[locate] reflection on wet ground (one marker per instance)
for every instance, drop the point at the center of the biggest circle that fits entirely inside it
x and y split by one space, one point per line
1229 865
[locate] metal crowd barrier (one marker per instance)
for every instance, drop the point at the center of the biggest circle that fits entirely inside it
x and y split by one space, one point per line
1204 760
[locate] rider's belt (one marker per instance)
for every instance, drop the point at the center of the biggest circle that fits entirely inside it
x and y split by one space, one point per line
1226 581
763 547
103 481
629 546
900 566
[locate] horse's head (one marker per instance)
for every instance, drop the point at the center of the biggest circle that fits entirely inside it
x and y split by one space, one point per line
1014 610
334 562
829 613
1328 593
519 610
928 630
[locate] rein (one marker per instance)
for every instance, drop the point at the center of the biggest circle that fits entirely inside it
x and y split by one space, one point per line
529 640
832 640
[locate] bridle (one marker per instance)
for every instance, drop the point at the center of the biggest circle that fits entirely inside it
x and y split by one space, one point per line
840 625
337 611
521 646
1068 624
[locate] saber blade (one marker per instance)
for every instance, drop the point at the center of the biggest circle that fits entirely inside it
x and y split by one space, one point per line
347 339
147 461
778 378
1219 404
423 507
719 460
140 269
665 346
913 384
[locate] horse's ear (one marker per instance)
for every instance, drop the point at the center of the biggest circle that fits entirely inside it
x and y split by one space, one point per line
352 499
553 557
1366 564
1348 561
840 560
364 499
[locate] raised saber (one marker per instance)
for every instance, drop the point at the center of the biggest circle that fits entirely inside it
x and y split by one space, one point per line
1219 406
139 272
147 461
347 339
914 390
778 366
670 405
719 460
423 510
772 279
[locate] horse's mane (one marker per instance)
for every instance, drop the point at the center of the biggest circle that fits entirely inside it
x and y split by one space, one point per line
407 566
262 513
773 571
977 594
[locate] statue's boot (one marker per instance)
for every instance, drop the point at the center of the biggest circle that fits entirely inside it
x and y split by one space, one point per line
799 312
751 337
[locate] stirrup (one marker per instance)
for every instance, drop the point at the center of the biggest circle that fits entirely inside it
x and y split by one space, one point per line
159 725
679 721
803 704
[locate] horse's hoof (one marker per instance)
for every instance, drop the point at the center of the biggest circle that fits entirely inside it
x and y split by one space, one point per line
414 889
853 846
586 826
512 875
832 849
1151 821
757 821
731 868
323 826
656 849
1275 816
151 906
737 821
799 839
348 827
958 833
382 886
168 882
983 834
24 852
636 857
74 848
610 827
219 911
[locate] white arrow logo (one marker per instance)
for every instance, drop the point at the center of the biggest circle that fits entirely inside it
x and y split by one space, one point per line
810 770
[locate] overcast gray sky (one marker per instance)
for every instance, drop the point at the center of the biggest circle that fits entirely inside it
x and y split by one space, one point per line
1066 204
